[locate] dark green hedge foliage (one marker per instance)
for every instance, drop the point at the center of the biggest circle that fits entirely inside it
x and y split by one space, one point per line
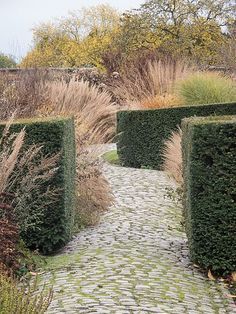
141 133
56 135
209 164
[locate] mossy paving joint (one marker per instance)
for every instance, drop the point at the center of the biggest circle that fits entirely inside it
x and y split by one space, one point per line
135 260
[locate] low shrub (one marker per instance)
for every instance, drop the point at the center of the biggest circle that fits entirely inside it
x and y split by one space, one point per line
22 300
9 239
206 88
142 133
209 154
42 181
15 259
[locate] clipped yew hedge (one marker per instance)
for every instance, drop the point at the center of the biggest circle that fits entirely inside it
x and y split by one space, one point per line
209 165
57 136
141 133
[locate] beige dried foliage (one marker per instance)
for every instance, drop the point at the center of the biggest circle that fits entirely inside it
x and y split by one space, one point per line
94 192
94 115
93 109
233 275
37 93
9 156
22 92
172 156
157 79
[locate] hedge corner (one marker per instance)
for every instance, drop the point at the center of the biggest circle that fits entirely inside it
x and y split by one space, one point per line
209 165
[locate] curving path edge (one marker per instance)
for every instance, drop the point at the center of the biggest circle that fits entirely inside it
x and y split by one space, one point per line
136 259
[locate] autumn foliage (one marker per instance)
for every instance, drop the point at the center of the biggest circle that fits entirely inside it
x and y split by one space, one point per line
102 37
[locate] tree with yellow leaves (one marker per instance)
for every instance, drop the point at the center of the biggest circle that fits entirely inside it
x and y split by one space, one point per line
76 40
100 37
174 28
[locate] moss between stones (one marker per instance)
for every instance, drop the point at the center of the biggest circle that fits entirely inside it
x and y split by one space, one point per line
112 157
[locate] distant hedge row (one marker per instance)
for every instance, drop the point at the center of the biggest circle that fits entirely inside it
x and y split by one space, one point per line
57 136
141 133
209 167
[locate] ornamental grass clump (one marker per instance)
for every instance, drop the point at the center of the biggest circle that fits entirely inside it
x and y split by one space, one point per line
94 114
27 173
92 108
22 300
22 92
206 88
152 85
40 93
94 192
172 156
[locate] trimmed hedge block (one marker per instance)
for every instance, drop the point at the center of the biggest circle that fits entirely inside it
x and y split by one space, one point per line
56 135
209 165
141 133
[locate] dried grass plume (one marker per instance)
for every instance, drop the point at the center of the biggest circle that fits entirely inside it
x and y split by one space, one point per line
172 156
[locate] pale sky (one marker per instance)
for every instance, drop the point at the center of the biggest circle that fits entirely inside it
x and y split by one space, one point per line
17 17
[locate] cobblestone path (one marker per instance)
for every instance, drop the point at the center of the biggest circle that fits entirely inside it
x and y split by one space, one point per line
135 260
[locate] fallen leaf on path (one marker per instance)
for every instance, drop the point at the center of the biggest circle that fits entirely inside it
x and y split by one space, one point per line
234 275
210 276
230 296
